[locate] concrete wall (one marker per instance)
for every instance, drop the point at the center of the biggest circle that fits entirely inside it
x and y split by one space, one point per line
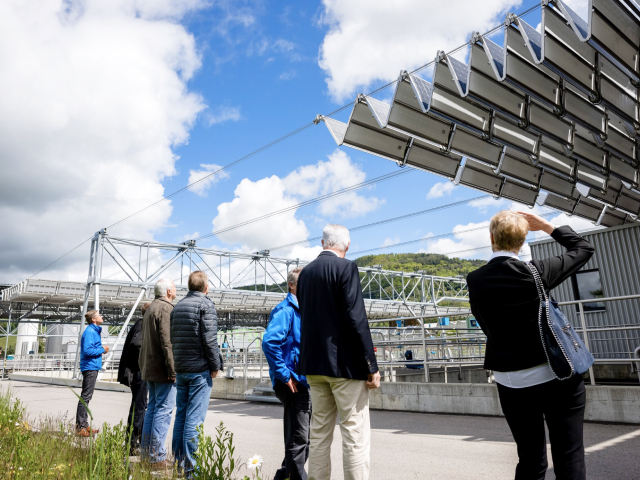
224 388
620 404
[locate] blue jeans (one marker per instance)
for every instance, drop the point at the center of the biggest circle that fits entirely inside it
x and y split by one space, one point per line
194 391
162 400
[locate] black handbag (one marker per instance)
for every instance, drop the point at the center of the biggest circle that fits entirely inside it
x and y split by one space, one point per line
566 353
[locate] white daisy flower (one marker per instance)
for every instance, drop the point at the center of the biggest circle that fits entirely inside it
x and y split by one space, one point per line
254 462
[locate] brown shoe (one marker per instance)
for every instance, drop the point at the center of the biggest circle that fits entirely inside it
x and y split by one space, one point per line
95 431
162 466
84 432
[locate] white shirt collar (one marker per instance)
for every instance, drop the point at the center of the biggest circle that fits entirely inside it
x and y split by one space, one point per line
504 254
329 250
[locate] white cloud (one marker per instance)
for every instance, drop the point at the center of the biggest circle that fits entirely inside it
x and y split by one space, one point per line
288 75
466 242
286 48
202 187
472 244
440 189
282 45
223 114
486 203
254 199
390 241
578 6
94 98
370 41
330 176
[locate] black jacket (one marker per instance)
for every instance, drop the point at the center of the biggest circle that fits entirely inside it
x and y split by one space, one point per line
130 352
194 330
335 339
505 301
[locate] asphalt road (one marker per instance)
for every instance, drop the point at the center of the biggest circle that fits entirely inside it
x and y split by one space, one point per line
403 445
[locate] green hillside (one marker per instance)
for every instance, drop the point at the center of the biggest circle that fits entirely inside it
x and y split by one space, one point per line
433 264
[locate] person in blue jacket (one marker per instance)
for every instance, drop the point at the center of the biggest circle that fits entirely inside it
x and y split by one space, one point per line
91 351
281 346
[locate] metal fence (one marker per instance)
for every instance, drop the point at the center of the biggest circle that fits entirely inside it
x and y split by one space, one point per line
432 346
56 365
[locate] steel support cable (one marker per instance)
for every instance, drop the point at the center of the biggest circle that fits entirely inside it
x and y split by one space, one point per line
439 236
486 247
272 143
385 221
320 198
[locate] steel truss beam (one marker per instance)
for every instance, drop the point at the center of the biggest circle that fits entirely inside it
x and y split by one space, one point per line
120 295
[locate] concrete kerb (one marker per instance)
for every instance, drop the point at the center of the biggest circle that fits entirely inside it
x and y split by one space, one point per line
100 385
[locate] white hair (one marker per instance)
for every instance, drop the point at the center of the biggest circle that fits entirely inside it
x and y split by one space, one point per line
162 286
336 236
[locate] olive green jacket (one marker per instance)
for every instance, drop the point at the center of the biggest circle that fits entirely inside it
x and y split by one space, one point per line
156 354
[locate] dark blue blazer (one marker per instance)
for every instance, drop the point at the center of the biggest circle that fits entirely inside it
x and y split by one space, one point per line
335 339
504 300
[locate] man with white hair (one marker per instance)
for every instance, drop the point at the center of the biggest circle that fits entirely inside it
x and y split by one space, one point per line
156 366
337 356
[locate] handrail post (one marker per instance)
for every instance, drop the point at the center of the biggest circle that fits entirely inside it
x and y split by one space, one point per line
261 356
586 340
424 351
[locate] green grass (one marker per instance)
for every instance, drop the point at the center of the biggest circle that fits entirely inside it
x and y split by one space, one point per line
49 449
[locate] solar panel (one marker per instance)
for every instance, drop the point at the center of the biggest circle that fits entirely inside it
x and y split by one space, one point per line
545 113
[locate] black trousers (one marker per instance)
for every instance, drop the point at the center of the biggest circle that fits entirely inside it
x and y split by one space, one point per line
138 409
297 419
88 385
561 405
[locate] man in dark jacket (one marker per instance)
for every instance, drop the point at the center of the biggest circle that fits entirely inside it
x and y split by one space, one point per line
156 366
194 330
337 356
129 375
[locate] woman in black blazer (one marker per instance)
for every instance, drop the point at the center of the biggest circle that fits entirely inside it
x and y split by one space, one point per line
505 302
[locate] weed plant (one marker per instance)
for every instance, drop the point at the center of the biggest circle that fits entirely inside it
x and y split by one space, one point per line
215 459
49 448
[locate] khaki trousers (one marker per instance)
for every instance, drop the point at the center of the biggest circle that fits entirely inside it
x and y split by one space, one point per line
348 401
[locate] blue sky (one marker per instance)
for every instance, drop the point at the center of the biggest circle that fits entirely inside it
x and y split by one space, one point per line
267 76
111 105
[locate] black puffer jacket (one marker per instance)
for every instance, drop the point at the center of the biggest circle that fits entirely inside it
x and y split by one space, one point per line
194 329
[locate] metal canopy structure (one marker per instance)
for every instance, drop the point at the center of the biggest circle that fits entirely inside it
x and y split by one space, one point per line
548 118
385 292
119 295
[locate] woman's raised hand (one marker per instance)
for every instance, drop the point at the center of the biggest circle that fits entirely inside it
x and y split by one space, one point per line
537 223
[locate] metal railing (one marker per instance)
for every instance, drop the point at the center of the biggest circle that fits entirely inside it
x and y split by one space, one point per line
432 346
59 365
